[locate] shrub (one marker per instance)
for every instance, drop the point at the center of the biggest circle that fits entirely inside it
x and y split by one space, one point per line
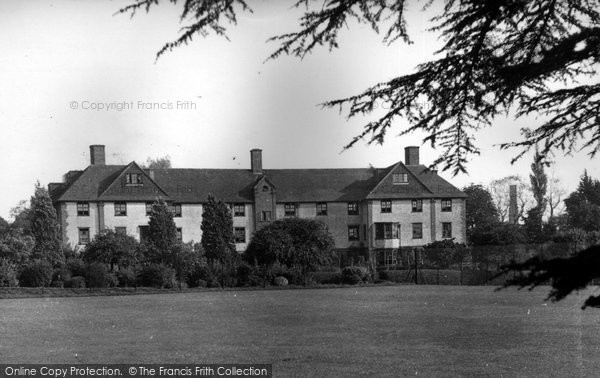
353 275
248 275
77 282
199 274
97 275
281 281
157 275
76 267
37 273
57 283
126 277
327 278
61 274
8 274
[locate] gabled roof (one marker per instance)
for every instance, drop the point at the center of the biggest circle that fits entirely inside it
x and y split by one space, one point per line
237 185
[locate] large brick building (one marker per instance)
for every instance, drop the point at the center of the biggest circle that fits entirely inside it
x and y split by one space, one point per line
369 211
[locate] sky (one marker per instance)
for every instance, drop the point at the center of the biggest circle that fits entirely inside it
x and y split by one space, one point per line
73 73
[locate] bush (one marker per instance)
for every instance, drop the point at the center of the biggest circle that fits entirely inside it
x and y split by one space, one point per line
76 267
353 275
157 275
200 274
327 278
281 281
8 274
77 282
61 274
57 283
97 275
126 277
248 275
37 273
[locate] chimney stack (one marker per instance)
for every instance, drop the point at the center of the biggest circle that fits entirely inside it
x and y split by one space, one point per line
97 154
411 155
256 161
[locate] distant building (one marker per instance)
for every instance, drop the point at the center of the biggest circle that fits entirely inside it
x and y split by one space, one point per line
371 212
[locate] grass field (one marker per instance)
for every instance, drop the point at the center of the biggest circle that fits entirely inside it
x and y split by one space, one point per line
395 330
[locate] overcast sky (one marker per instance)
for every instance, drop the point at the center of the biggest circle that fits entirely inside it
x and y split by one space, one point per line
61 58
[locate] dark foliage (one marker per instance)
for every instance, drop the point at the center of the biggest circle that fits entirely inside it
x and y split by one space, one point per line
162 234
76 282
157 275
98 275
583 205
112 248
8 273
481 214
302 243
44 228
352 275
564 274
37 273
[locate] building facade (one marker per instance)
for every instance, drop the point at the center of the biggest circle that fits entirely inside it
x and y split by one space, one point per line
371 212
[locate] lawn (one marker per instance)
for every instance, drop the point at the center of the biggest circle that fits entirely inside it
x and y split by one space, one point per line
393 330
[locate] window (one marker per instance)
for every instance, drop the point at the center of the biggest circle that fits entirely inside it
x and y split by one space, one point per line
239 234
120 209
400 178
265 188
179 234
265 216
175 210
446 205
83 209
321 208
84 235
353 233
386 206
386 231
239 210
121 230
446 230
290 209
133 179
417 206
352 208
148 208
417 229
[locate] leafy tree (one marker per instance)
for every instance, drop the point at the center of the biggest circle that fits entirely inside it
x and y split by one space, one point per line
583 205
16 247
44 227
539 182
4 226
8 273
555 195
539 188
162 233
20 214
158 163
481 214
111 248
496 56
294 242
217 234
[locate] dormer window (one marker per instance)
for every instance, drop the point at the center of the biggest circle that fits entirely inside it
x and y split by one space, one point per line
400 178
133 179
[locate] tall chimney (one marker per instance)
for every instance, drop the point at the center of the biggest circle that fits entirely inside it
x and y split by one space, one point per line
97 154
256 161
411 155
512 204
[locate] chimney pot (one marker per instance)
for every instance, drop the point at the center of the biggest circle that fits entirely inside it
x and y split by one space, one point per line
97 156
256 161
411 155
